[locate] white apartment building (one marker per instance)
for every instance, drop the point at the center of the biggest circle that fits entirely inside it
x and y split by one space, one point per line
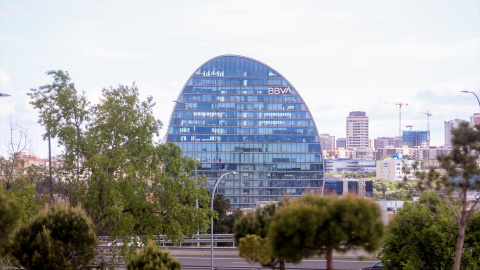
449 125
357 130
393 169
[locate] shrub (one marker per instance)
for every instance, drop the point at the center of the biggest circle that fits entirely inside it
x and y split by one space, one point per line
9 217
151 258
59 237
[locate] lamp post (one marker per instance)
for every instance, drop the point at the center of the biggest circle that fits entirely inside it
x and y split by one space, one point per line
474 94
211 218
194 142
4 95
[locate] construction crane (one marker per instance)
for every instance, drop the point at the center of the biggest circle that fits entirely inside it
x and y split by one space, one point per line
409 126
400 104
428 114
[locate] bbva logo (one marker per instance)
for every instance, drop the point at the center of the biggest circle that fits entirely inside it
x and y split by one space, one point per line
279 90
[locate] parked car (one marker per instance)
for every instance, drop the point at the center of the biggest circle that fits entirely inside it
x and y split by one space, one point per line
376 266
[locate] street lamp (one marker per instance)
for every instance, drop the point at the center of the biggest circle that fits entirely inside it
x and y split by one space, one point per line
474 94
194 142
211 218
4 95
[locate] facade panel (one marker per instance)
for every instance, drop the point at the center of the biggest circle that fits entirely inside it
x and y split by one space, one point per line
247 118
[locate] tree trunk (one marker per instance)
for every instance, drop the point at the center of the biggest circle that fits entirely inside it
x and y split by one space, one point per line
461 236
329 259
282 264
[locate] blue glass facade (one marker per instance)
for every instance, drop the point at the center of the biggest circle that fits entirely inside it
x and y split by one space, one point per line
414 138
248 119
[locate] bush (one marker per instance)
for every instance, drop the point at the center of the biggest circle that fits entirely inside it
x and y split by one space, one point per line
9 217
151 258
59 237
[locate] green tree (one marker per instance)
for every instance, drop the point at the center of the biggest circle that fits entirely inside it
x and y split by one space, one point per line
462 175
224 222
316 225
420 237
257 223
59 237
9 219
128 182
254 248
152 258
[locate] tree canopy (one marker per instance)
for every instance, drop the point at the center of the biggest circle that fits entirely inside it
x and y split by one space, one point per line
317 225
420 237
127 180
462 175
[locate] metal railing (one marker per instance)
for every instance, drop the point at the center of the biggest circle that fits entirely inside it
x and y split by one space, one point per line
198 239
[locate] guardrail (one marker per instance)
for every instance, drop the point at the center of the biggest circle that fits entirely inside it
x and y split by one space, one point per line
198 239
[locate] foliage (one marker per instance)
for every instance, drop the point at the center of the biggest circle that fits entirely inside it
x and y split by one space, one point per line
254 249
9 218
419 237
316 225
128 182
257 223
152 258
358 174
462 174
224 222
394 190
59 237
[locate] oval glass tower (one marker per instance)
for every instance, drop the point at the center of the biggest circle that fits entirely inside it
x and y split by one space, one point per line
238 114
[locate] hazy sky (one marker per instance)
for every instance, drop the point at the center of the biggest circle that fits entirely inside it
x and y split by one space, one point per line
341 56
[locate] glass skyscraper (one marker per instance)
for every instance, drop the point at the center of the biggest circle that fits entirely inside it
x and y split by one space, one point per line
251 120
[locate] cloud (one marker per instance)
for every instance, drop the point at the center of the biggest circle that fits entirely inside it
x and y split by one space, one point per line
5 78
109 53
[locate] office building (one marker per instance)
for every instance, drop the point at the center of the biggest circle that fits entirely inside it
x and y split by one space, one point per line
327 142
449 125
415 138
341 143
251 120
396 169
357 130
475 119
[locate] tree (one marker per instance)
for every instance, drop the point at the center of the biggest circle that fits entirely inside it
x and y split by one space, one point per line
420 237
59 237
224 222
254 249
316 225
462 175
128 182
151 258
9 219
257 223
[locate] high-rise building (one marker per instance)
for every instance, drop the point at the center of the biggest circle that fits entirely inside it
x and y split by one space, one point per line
383 142
357 130
341 143
327 142
249 119
475 119
449 125
415 138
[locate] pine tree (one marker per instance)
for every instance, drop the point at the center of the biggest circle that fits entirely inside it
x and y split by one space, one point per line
152 258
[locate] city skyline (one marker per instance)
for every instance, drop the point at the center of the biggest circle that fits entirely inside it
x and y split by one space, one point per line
343 57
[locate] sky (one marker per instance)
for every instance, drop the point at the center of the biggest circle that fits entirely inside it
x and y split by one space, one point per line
341 56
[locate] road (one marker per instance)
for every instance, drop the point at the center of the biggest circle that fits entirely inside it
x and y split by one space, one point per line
231 263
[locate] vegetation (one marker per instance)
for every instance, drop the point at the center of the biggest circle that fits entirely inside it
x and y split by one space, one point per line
254 249
462 175
420 237
153 258
224 222
59 237
128 182
258 223
317 225
394 190
9 219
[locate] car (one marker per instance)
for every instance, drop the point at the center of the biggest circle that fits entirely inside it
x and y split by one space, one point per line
136 242
376 266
